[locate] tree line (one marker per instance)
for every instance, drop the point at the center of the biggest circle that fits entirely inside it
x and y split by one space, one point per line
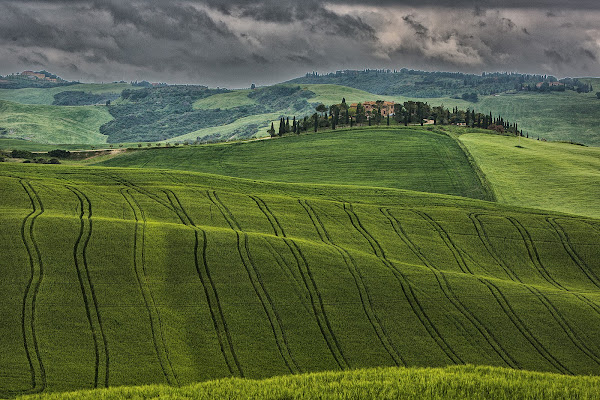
407 113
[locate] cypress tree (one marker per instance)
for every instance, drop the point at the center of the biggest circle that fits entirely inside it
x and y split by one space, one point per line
369 121
388 120
287 125
351 122
346 119
316 122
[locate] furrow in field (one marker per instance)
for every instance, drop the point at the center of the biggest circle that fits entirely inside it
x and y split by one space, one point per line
210 291
552 310
258 284
316 300
139 261
87 289
406 287
535 259
150 195
452 296
566 242
363 291
533 254
28 311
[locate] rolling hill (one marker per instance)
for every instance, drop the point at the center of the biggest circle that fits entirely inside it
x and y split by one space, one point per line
396 158
552 176
128 276
53 124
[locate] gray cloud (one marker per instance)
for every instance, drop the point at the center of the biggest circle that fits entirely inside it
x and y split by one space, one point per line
234 42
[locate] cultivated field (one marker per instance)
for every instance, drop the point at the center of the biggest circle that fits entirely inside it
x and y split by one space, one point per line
129 276
53 124
526 172
414 159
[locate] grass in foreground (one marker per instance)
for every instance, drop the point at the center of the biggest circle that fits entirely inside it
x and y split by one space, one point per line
452 383
552 176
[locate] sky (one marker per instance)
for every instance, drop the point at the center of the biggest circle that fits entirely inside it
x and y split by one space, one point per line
235 43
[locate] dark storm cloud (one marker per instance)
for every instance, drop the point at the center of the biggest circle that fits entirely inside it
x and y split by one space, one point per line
234 42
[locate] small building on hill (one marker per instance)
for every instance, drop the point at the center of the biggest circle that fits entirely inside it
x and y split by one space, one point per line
387 107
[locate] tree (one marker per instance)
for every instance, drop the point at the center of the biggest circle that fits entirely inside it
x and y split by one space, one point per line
272 130
598 95
287 125
321 108
316 118
388 120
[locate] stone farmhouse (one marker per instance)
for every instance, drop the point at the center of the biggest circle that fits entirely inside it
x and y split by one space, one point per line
387 107
36 75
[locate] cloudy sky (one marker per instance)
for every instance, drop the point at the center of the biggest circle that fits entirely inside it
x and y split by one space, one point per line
235 43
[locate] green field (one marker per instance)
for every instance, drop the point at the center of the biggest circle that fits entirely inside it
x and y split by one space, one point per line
451 383
553 176
129 277
46 96
566 116
396 158
53 124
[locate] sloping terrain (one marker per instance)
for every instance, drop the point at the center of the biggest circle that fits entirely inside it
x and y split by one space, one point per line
526 172
53 124
403 158
127 276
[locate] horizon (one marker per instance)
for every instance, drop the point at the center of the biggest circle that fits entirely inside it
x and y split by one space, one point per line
235 43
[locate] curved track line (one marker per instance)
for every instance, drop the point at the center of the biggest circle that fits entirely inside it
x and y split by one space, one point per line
554 312
316 300
568 246
363 291
28 311
210 289
139 264
258 285
405 285
87 288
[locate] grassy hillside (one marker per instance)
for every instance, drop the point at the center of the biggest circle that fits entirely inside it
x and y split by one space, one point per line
398 158
385 383
46 96
554 116
53 124
131 277
553 176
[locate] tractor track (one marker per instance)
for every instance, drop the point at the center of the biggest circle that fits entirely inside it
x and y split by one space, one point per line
316 299
210 291
407 288
258 284
453 297
546 302
139 264
28 311
87 289
363 291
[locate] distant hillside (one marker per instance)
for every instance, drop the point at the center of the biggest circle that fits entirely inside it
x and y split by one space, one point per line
405 82
52 124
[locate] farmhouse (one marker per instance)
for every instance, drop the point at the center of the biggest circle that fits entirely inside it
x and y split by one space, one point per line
551 84
387 107
33 75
